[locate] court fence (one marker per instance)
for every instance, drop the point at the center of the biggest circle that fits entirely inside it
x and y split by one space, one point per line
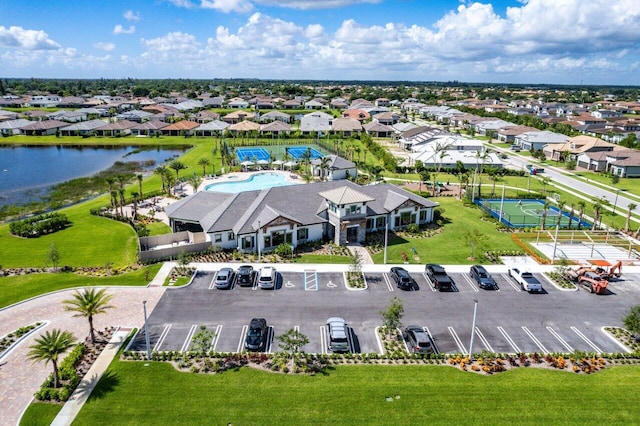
523 220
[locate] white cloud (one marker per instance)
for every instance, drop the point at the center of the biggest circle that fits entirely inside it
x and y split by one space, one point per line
130 15
107 47
18 37
314 4
119 29
227 6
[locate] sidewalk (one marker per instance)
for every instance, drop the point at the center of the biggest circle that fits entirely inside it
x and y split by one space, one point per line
162 274
364 253
77 399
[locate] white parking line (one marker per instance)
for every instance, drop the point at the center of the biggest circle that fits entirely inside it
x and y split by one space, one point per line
433 341
484 341
270 338
310 280
508 279
453 333
509 340
243 335
560 339
586 339
212 284
387 281
535 340
470 282
163 336
429 282
255 284
190 334
323 339
216 337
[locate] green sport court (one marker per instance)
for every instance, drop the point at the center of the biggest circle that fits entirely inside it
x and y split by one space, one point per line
527 213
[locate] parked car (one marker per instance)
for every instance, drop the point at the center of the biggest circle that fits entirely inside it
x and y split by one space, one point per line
224 278
418 340
438 277
257 335
402 278
267 277
482 277
245 275
337 333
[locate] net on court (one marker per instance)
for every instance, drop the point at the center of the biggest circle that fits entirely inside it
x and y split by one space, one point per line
252 154
527 213
298 152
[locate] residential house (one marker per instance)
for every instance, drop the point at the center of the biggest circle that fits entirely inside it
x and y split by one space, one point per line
42 128
117 128
624 163
316 122
13 127
149 128
275 115
83 128
275 127
378 130
538 139
346 127
576 146
388 118
508 134
212 128
238 116
335 168
180 128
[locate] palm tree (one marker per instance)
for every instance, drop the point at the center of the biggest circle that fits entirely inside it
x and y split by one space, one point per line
561 205
139 177
597 209
134 199
324 166
571 214
48 348
440 152
630 208
544 213
114 201
88 303
581 206
204 162
121 192
195 182
177 165
110 181
545 181
162 172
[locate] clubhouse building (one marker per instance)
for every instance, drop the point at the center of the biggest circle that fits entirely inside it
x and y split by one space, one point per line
260 220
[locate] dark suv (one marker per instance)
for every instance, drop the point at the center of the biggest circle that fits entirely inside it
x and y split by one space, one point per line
402 278
438 277
257 335
418 340
482 277
246 275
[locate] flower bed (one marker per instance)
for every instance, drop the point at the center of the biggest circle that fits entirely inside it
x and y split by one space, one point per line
10 339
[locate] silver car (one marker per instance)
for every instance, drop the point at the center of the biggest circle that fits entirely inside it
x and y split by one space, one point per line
224 278
338 334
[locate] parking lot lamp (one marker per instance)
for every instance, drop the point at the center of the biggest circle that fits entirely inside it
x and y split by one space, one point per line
146 330
615 203
386 237
473 328
258 240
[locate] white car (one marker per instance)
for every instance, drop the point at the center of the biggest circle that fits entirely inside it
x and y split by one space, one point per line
267 278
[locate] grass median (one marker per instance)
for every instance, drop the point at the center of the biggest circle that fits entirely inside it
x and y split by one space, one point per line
158 394
17 288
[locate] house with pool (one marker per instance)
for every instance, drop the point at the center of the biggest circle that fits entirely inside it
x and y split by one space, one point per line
259 220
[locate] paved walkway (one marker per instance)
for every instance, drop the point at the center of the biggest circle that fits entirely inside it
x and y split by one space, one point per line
364 253
21 378
73 406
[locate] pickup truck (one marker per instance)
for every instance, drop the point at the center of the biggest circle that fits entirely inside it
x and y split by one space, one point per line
526 280
438 277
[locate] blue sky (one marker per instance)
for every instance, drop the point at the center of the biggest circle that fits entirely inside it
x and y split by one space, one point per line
510 41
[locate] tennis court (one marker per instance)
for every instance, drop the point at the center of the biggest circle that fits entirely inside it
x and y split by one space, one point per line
527 213
297 152
252 154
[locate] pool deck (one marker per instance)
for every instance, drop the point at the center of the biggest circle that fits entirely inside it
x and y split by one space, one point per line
240 176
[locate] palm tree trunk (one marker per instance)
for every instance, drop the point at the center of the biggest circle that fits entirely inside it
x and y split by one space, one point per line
56 376
92 333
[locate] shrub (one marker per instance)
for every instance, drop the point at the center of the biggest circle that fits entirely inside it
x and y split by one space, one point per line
36 226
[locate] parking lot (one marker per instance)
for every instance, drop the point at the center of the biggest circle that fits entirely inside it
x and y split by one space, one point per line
508 319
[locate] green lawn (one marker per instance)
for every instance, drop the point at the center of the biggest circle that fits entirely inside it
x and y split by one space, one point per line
22 287
449 247
40 414
131 393
322 258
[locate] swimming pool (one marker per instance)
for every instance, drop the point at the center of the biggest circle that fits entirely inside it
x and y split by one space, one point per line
257 181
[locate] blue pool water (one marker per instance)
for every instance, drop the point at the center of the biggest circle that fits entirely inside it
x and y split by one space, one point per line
257 181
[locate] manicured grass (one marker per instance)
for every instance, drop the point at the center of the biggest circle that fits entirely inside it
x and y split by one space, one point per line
449 247
322 258
158 228
22 287
40 414
157 394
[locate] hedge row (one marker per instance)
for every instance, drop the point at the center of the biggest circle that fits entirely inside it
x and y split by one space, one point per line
36 226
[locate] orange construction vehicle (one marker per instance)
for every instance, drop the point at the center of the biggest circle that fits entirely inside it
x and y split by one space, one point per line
588 278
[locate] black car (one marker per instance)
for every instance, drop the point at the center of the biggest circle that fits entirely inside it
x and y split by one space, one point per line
418 340
482 277
257 335
246 275
224 278
402 278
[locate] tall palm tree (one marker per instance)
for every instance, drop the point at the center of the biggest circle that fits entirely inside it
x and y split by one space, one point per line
630 208
561 204
121 193
139 177
545 181
571 214
48 348
581 206
162 172
110 181
195 181
134 200
114 201
545 207
324 167
177 165
597 209
89 303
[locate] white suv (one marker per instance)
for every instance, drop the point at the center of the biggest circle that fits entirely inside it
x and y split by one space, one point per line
267 277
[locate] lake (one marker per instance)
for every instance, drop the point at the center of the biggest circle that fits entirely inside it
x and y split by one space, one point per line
27 172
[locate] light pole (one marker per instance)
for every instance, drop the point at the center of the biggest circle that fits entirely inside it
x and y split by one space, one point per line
146 330
386 232
473 328
258 240
615 203
555 245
